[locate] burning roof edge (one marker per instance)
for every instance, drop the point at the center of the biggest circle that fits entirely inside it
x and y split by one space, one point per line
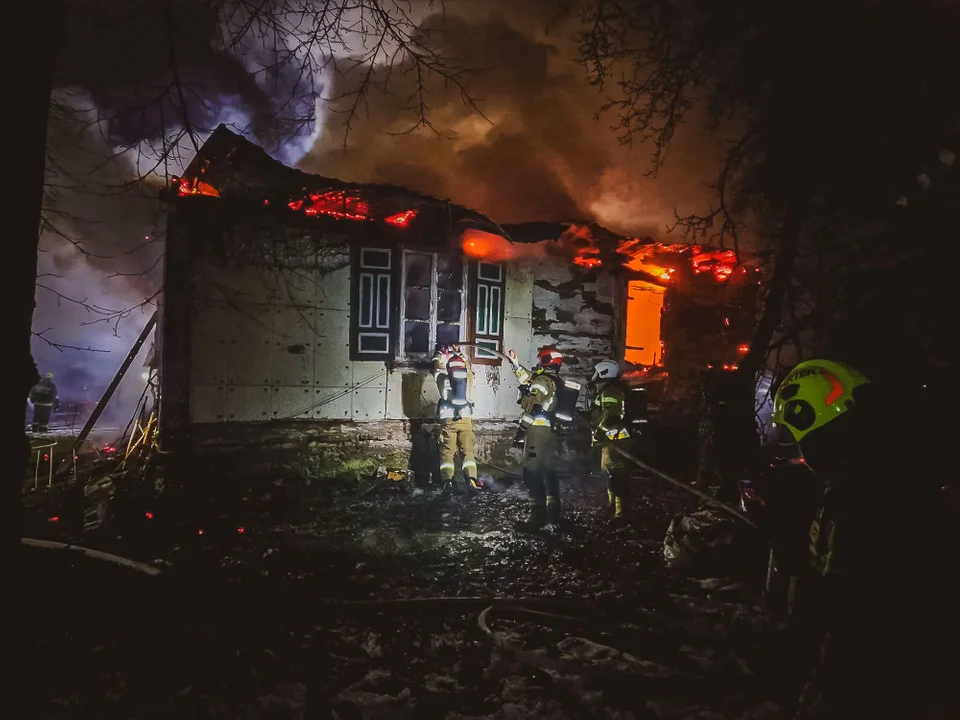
537 231
228 155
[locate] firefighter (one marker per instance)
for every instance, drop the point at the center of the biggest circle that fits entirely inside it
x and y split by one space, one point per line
538 399
454 375
43 397
874 579
609 428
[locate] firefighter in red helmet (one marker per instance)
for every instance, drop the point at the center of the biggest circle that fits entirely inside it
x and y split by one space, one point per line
538 396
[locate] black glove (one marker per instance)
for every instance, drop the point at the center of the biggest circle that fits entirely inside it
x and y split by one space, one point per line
524 390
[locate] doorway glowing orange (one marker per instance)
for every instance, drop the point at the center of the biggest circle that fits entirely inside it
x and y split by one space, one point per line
644 304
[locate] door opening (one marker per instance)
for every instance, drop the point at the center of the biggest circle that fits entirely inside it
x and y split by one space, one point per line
644 309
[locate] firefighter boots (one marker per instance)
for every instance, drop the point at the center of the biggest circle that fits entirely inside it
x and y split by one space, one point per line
536 518
553 510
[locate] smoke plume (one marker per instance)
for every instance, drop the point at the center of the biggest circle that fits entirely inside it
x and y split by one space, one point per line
140 85
538 154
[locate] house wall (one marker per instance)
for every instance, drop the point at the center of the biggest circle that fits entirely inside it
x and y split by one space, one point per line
252 351
271 344
573 308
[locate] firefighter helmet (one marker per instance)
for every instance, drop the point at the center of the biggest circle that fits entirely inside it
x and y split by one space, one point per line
49 376
550 358
815 393
606 370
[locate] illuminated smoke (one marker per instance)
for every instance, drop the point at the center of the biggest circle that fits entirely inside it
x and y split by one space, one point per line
540 154
111 124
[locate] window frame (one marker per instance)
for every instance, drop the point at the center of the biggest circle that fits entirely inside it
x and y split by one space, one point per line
360 327
478 334
402 355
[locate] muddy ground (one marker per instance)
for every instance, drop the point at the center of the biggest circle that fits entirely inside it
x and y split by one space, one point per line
255 613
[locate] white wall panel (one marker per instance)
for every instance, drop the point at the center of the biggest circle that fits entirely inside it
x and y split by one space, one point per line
369 375
251 344
208 344
207 403
332 403
294 287
331 364
333 289
211 282
294 346
518 335
245 403
369 403
519 290
248 283
292 403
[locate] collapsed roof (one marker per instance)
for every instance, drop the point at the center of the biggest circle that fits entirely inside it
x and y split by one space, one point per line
229 165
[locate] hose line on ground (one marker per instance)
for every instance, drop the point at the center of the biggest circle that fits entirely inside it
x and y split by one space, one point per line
700 494
94 554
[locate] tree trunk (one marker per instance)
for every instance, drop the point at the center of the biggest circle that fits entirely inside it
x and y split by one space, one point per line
35 42
729 446
789 241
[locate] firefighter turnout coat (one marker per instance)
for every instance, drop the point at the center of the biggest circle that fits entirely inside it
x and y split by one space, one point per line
454 375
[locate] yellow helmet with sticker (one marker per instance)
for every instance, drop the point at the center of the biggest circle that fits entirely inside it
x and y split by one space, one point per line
815 393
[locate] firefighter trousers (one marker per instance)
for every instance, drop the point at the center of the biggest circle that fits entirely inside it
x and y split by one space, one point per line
539 466
41 415
457 435
617 469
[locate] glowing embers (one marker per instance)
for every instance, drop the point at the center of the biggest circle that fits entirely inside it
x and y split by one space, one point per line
195 186
588 261
401 220
334 203
346 205
721 263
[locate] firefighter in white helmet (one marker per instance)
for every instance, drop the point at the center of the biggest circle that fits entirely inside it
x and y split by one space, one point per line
609 429
539 389
454 375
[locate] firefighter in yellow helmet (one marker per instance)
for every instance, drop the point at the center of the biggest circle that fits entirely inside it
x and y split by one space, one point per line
609 428
872 542
539 391
454 375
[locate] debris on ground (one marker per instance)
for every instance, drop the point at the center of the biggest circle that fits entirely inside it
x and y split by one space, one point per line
264 622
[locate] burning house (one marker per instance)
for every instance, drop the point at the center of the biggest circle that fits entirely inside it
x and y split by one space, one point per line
305 309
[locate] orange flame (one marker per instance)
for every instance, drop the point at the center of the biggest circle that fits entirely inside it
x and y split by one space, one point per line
481 245
186 186
401 219
588 261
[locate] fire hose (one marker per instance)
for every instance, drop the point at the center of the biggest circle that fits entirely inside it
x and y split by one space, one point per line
700 494
93 554
506 606
710 500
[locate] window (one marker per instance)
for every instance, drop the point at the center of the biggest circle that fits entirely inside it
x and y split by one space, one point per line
431 304
487 291
373 303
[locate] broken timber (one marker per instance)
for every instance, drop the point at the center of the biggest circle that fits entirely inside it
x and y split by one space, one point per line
108 393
